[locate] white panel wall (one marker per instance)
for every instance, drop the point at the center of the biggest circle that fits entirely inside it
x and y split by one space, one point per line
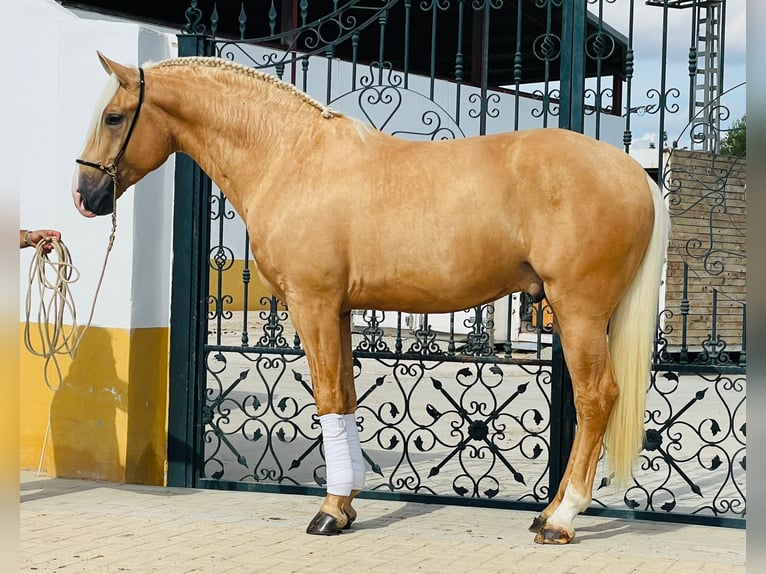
58 84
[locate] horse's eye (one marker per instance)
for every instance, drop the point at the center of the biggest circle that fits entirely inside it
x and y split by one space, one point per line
113 119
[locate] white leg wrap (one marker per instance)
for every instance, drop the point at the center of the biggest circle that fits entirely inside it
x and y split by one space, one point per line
357 462
337 454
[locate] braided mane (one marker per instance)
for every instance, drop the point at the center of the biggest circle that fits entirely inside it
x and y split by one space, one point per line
213 62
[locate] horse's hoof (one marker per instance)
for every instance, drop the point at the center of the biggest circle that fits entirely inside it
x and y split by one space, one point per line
551 535
349 523
324 524
537 523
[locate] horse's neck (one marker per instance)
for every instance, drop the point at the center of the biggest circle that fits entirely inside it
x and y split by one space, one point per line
240 136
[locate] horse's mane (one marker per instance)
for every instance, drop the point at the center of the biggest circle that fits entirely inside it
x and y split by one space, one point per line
212 62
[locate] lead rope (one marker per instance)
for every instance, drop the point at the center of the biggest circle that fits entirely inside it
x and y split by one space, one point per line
53 279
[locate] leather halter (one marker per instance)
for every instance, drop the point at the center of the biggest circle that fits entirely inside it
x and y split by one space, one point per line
111 169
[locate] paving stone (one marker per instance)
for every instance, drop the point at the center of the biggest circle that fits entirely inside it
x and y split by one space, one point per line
85 527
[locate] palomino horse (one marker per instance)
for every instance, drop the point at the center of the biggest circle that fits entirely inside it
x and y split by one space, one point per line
599 266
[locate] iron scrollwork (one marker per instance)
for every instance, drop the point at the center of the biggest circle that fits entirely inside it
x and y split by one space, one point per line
441 411
683 457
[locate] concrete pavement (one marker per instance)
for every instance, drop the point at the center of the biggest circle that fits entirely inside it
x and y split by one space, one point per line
78 527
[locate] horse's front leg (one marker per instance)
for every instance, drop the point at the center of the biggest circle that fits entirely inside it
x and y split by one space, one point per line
326 337
355 447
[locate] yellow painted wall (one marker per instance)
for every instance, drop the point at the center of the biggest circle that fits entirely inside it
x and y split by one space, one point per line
232 285
108 419
547 314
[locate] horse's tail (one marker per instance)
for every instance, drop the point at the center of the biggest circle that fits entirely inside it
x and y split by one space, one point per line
631 336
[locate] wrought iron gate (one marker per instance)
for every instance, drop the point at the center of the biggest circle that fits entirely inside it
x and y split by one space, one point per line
468 408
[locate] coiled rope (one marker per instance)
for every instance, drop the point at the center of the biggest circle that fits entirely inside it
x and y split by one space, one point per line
52 277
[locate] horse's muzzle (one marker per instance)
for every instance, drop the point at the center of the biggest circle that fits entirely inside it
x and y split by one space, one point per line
78 203
100 205
93 198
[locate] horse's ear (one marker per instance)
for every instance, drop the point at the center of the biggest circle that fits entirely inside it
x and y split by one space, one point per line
104 62
122 73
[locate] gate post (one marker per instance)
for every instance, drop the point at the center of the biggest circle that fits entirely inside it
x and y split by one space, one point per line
563 418
571 117
572 105
188 302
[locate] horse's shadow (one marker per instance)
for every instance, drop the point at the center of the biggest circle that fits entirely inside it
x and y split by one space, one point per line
602 530
608 528
616 527
407 511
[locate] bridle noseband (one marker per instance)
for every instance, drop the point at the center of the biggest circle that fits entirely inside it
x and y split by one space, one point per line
111 169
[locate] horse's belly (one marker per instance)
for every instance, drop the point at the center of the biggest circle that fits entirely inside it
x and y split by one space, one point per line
437 288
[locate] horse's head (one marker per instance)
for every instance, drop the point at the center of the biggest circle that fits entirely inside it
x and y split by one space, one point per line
120 148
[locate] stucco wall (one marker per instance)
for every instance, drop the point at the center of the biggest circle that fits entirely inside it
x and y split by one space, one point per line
108 419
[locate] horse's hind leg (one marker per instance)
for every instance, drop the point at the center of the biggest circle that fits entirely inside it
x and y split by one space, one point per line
595 391
326 339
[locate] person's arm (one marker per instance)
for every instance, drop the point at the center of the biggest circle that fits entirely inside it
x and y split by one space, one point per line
28 238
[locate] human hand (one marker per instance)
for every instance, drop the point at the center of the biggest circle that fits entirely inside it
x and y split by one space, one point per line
45 235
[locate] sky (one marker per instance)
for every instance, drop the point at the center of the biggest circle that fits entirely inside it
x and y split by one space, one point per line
647 47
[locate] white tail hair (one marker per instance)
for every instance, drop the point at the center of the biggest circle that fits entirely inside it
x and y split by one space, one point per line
631 338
